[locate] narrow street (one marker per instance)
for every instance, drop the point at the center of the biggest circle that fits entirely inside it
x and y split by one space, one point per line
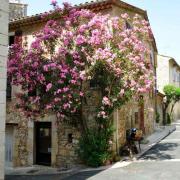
162 162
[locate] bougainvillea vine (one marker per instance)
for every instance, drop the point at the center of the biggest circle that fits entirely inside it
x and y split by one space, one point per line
75 48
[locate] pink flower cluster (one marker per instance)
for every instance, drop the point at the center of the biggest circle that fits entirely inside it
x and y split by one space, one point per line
65 53
106 101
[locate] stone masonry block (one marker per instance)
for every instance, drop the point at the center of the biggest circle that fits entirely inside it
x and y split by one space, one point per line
2 84
2 110
4 5
3 72
3 40
3 62
2 149
2 97
4 19
3 51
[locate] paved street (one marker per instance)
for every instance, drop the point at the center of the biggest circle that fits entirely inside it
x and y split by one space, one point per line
162 162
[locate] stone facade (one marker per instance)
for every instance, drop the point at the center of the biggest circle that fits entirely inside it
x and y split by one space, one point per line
129 116
65 137
3 59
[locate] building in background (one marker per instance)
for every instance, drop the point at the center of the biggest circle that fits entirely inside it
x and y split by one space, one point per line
4 18
168 72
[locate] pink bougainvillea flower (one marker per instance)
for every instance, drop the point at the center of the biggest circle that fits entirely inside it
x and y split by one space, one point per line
121 93
48 87
68 54
54 2
81 94
106 101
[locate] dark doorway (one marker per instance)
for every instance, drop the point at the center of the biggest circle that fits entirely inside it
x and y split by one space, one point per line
43 143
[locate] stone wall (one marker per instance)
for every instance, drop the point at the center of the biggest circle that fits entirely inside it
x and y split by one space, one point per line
149 113
20 126
3 60
68 138
176 111
128 116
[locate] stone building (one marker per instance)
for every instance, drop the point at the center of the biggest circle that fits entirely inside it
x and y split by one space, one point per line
168 72
3 59
43 142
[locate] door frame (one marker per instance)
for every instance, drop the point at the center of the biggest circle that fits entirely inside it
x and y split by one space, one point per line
31 142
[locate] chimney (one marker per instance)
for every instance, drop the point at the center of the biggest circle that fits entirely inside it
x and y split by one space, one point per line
17 9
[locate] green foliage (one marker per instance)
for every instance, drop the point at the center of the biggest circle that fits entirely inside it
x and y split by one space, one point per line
172 94
168 118
177 93
169 91
157 117
94 147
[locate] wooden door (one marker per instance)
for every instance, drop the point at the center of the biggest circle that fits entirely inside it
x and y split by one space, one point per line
9 146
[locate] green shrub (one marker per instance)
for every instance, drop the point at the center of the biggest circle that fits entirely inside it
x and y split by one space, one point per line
94 147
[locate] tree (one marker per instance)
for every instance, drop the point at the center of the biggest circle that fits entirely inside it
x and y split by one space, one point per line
78 47
172 95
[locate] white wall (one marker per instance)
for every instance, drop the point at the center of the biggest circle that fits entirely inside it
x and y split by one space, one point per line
4 18
162 72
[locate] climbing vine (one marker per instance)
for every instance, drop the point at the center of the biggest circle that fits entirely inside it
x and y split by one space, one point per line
73 48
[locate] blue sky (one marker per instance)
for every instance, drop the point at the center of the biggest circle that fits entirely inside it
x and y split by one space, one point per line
163 15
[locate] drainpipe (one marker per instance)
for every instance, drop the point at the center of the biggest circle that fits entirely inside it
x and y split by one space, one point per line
156 91
117 132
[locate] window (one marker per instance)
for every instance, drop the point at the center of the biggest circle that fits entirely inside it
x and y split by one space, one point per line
11 40
32 93
9 86
136 117
94 83
128 25
174 75
152 59
8 89
18 37
70 138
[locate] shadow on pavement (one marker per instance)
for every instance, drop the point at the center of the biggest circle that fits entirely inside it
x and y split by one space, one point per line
78 176
83 175
161 151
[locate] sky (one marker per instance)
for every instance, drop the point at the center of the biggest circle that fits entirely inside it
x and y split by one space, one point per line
164 16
